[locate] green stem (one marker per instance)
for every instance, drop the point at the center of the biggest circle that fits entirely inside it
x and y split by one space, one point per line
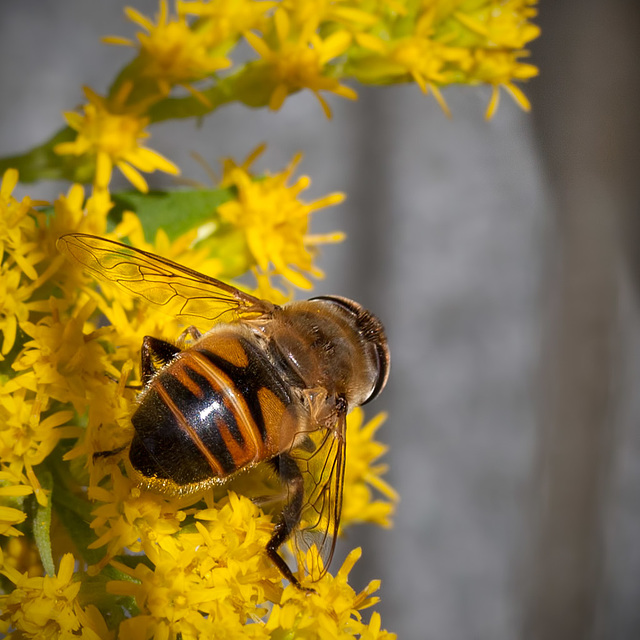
43 163
42 523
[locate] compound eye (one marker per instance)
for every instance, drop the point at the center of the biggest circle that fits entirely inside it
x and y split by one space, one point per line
372 332
344 303
384 362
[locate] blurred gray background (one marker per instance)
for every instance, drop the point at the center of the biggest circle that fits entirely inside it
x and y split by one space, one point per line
503 259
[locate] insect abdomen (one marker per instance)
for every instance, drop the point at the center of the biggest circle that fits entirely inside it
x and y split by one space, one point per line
219 407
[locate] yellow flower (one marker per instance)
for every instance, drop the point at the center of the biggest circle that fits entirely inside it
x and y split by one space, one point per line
172 52
20 255
333 611
275 221
316 12
427 61
13 306
499 69
361 474
17 228
108 424
195 566
113 138
73 214
225 20
26 438
502 25
128 517
10 516
48 607
470 42
61 358
130 317
213 579
299 61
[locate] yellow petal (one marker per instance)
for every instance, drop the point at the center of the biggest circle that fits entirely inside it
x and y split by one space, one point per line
15 490
65 572
104 167
281 19
371 42
324 105
117 40
156 160
9 181
440 99
133 176
138 18
493 102
518 95
258 44
14 516
278 97
336 44
10 327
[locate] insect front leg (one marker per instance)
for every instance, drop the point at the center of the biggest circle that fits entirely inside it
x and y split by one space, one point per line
155 354
290 476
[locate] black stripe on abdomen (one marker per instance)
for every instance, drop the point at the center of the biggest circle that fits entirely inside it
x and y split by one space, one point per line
229 417
203 416
258 374
161 447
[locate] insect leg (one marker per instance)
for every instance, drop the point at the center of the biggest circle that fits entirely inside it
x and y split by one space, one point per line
190 332
289 474
137 387
105 454
155 355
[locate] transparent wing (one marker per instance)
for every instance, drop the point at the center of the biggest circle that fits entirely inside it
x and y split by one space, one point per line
322 462
182 292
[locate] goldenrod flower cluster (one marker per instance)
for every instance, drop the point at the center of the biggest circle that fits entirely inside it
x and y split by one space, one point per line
148 566
187 64
84 551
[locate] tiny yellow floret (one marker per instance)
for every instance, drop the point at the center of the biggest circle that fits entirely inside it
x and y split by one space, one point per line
299 61
276 221
48 607
113 138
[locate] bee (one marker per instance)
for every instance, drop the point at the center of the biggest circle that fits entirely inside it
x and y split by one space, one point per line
266 384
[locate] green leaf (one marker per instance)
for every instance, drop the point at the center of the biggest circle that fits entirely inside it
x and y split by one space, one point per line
73 510
173 211
176 212
75 514
42 523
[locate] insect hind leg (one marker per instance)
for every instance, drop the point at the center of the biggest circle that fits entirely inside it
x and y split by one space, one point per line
136 387
290 475
106 454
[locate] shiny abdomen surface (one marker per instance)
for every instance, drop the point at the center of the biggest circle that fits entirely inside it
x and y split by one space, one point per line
221 405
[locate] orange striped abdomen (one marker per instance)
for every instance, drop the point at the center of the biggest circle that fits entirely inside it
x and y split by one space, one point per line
218 407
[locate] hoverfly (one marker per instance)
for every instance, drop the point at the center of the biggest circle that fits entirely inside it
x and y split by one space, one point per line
264 382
